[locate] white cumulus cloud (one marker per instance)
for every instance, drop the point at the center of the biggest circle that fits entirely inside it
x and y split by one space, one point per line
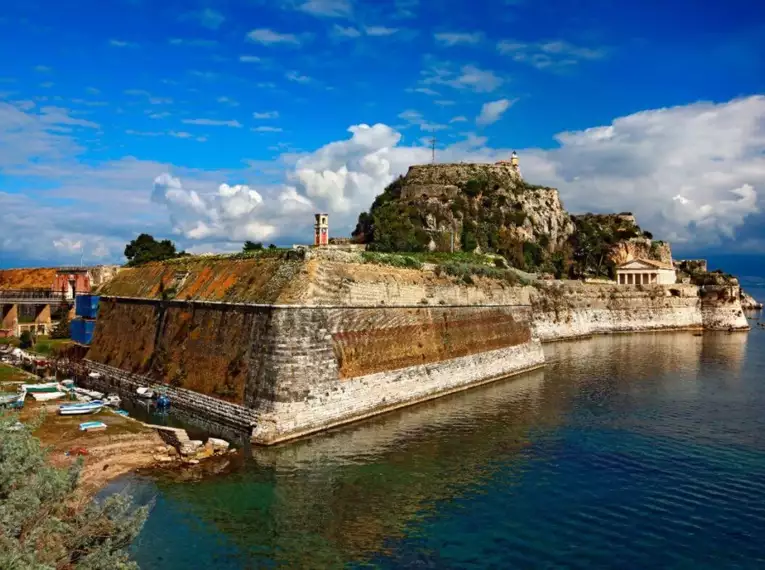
267 37
493 111
691 174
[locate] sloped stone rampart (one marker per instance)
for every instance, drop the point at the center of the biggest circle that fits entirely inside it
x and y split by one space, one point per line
296 363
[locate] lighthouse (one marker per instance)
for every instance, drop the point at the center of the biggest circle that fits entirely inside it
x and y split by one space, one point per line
321 230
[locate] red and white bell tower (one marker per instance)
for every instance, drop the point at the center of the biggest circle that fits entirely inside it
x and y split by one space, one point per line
321 230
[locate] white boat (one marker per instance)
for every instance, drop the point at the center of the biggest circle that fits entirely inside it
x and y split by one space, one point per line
13 400
68 384
145 392
92 394
92 426
44 387
82 408
113 401
45 396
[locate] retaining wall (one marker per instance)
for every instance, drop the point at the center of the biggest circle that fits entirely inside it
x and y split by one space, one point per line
299 369
571 310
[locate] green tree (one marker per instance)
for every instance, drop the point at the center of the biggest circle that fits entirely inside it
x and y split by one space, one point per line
271 246
61 330
26 340
145 248
397 228
252 246
40 526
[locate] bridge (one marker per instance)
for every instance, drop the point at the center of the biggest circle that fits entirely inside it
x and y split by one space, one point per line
38 296
33 292
41 299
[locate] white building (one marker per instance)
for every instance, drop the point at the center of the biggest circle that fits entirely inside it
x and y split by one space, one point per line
645 272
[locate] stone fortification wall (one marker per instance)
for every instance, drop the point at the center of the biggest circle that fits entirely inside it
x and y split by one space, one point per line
342 281
216 416
721 307
197 346
306 368
325 366
458 173
572 309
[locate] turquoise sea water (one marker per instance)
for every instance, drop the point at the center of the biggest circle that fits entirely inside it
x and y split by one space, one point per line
626 451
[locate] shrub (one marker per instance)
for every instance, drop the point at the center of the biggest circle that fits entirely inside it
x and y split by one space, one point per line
517 217
469 242
473 187
61 330
252 246
39 528
26 340
391 259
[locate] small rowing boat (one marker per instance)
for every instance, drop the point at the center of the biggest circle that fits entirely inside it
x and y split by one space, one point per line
92 426
92 394
45 387
13 400
81 408
144 392
113 401
46 396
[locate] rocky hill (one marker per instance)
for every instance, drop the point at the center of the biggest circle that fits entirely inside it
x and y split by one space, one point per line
490 208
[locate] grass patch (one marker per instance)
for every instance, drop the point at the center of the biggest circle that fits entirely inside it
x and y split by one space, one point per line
49 346
392 259
466 272
13 341
11 374
462 265
416 259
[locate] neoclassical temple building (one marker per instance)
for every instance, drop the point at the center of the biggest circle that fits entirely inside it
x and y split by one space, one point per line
645 272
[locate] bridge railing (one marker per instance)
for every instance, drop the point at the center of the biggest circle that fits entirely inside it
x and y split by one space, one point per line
31 295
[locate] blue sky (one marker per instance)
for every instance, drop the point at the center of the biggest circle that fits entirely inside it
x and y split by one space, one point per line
128 117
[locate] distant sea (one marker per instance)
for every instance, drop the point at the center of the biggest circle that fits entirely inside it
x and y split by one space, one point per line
626 451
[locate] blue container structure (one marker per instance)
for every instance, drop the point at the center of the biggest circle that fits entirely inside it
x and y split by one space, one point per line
84 324
86 306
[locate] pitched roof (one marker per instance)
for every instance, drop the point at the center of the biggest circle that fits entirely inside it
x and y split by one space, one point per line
649 262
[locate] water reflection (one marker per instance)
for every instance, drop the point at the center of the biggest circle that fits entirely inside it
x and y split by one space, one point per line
360 493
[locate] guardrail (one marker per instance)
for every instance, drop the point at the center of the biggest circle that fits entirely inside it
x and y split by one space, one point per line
32 296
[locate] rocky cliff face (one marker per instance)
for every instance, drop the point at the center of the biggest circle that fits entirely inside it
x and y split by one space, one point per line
490 208
485 206
749 303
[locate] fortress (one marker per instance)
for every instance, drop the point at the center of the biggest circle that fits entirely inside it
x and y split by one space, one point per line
280 346
275 345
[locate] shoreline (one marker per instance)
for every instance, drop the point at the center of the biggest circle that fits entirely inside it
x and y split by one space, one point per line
132 446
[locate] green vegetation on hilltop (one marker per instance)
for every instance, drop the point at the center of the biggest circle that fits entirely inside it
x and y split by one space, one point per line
145 248
480 217
463 265
482 208
593 240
